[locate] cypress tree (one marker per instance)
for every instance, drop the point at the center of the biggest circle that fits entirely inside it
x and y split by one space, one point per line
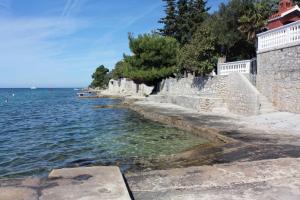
190 15
183 22
198 13
169 20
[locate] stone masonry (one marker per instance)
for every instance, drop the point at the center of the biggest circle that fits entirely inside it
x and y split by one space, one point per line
127 87
204 86
243 98
204 94
233 93
278 77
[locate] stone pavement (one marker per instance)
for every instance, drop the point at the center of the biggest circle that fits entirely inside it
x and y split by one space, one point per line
233 141
259 180
287 123
90 183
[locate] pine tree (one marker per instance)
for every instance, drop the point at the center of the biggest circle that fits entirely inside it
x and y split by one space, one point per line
100 77
169 20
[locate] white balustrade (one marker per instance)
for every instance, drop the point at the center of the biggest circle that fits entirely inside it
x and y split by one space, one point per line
243 67
285 36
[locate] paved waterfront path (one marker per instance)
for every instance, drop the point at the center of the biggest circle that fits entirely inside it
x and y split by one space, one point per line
243 141
275 123
268 180
91 183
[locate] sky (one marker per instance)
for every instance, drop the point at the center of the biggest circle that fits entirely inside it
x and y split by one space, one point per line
59 43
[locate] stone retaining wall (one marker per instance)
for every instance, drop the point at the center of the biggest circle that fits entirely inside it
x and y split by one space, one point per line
242 98
214 86
220 94
127 87
210 94
195 102
278 77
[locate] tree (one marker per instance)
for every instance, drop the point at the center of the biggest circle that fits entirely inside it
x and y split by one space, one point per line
256 17
224 24
118 71
169 21
100 77
183 19
199 12
153 58
183 34
200 55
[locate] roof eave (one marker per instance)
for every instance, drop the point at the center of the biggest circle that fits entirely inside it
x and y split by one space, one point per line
296 8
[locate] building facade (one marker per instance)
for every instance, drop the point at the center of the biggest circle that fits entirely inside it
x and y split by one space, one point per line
287 13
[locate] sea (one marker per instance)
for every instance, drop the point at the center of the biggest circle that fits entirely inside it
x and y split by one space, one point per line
44 129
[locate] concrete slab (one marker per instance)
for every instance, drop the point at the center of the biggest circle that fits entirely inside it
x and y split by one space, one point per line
13 193
90 183
285 122
269 179
239 141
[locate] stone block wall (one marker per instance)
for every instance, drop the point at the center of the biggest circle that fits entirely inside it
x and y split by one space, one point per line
209 86
242 97
198 103
278 77
233 93
125 87
206 94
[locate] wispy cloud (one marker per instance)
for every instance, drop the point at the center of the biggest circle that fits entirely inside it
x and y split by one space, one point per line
38 45
5 6
108 37
65 46
69 7
142 15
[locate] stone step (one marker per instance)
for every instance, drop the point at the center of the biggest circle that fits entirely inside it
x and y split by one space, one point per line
265 111
265 105
220 110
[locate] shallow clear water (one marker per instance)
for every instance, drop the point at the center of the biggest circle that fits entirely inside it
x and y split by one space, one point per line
44 129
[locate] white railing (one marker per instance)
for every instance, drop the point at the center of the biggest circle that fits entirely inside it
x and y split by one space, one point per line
243 67
281 37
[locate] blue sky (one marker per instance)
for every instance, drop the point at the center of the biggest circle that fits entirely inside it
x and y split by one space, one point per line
59 43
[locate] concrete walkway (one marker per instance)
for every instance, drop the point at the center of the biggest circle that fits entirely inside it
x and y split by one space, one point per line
91 183
277 124
268 180
238 141
285 122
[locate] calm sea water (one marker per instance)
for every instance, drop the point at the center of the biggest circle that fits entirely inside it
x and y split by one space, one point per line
51 128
